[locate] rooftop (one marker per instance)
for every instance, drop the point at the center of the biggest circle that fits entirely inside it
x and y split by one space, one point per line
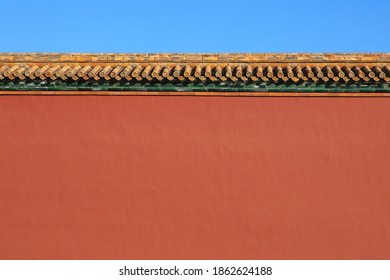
254 74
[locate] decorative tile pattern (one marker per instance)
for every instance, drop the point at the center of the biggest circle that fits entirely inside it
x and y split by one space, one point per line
196 72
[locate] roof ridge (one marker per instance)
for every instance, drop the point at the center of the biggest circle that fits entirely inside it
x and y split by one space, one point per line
195 57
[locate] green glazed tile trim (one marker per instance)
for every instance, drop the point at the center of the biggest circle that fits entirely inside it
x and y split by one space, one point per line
59 85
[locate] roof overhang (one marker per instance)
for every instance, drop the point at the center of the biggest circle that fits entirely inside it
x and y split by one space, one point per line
200 74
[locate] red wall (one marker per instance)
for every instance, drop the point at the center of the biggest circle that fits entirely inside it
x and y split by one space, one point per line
105 177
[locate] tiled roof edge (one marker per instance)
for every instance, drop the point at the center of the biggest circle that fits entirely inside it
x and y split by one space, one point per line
204 72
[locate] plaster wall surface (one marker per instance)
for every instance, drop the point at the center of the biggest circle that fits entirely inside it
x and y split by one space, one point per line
169 177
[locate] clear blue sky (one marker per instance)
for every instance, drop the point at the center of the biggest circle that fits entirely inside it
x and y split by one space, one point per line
194 26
